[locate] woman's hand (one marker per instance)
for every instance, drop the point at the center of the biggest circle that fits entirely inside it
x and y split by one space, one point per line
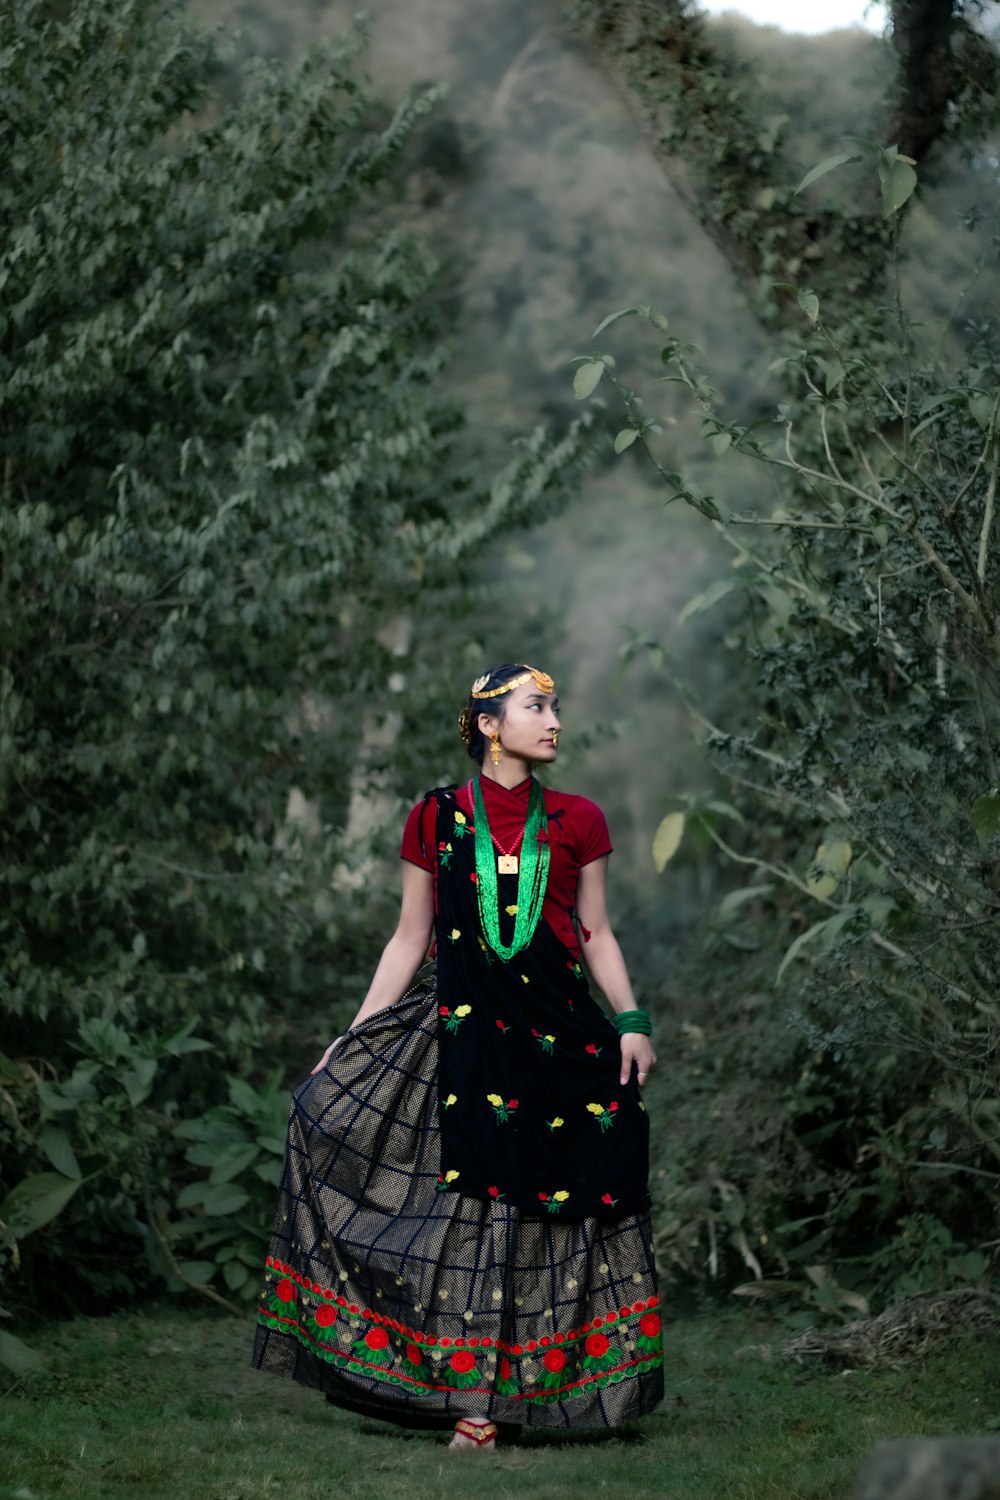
325 1058
637 1049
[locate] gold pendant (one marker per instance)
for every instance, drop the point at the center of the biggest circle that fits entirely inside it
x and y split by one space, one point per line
506 864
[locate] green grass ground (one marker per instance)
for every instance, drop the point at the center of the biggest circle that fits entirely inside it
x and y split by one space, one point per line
161 1407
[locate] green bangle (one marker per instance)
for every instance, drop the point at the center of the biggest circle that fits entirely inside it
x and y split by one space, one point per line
634 1020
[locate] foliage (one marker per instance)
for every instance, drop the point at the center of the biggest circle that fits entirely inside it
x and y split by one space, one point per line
230 488
855 1115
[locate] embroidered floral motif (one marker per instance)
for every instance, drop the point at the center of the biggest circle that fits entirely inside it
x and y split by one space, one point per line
554 1202
502 1027
648 1340
545 1042
594 1051
502 1111
511 910
607 1198
445 853
462 826
454 1018
554 1362
451 1099
605 1114
495 1192
373 1347
454 934
445 1180
599 1352
576 968
571 1360
461 1369
555 1124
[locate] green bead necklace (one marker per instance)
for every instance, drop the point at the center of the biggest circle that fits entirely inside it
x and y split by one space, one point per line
532 874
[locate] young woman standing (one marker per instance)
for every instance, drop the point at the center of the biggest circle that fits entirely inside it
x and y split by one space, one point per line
462 1236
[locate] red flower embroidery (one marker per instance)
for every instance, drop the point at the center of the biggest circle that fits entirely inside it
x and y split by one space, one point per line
543 1197
462 1361
511 1103
505 1368
494 1192
414 1355
376 1338
443 1010
502 1027
596 1345
326 1315
474 878
607 1198
613 1106
555 1360
594 1051
284 1291
649 1324
442 845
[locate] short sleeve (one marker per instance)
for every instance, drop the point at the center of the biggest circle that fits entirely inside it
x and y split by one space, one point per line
591 829
423 816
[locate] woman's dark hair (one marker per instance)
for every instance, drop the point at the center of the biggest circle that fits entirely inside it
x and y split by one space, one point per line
476 741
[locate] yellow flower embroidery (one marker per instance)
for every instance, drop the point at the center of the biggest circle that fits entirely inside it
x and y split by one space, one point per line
596 1109
460 817
511 910
561 1196
493 1099
554 1124
450 1177
550 1038
525 978
454 934
463 1010
451 1099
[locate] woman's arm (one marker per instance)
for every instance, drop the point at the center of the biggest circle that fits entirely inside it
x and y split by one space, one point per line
606 964
404 952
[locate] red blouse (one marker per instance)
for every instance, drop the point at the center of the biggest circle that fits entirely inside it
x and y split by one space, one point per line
578 834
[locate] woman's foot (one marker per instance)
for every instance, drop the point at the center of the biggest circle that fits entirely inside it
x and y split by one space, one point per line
474 1432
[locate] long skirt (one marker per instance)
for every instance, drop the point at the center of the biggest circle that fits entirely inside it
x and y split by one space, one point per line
401 1301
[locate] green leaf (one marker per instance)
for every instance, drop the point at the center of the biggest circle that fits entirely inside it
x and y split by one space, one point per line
827 928
667 839
986 817
721 441
705 600
898 182
137 1081
36 1201
734 900
626 312
587 378
828 164
16 1355
809 303
625 439
982 408
224 1199
829 866
56 1144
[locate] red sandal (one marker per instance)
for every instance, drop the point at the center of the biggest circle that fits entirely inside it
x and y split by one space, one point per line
481 1433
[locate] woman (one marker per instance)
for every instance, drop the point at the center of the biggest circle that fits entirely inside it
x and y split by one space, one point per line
462 1236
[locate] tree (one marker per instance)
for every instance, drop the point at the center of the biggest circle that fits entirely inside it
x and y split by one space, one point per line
230 490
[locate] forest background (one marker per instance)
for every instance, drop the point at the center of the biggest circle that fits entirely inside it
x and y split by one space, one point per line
305 422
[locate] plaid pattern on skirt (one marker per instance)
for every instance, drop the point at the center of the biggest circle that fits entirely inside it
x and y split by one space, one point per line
405 1302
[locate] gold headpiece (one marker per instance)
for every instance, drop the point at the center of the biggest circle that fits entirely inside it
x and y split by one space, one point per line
543 682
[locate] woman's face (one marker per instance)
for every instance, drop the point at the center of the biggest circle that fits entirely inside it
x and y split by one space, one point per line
530 720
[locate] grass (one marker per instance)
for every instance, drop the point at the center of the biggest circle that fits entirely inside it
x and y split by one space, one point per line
158 1406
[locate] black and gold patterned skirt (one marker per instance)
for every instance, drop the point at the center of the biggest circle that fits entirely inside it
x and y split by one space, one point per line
402 1301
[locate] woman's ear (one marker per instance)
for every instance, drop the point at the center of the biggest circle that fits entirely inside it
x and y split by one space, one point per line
487 724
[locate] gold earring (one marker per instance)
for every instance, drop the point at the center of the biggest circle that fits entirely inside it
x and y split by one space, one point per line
495 747
555 739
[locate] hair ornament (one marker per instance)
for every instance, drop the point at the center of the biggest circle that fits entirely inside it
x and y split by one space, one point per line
543 682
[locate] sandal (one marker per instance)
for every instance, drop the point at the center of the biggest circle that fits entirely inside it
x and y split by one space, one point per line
482 1434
